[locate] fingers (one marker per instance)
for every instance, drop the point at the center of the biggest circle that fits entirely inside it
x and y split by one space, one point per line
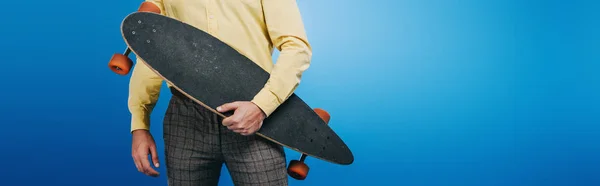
246 118
239 130
228 106
142 146
242 128
246 131
137 162
235 127
147 168
233 121
140 157
251 130
154 156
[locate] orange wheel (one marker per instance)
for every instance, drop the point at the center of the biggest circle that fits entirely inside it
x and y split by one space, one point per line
298 170
323 114
149 7
120 64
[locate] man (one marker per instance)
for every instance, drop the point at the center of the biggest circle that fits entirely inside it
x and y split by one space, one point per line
197 142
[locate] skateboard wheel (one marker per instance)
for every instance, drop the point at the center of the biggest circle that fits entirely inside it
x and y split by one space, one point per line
149 7
298 170
323 114
120 64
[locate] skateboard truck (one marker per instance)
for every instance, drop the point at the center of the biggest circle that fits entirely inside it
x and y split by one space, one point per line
297 168
120 63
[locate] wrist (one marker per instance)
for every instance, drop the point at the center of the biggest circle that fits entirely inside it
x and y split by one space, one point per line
138 131
262 112
266 101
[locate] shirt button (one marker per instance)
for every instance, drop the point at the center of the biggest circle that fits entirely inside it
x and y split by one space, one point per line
210 16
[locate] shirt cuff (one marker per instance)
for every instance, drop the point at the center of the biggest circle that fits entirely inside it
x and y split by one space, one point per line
140 120
266 101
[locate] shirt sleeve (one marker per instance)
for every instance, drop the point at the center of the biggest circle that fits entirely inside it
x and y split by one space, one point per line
144 90
286 31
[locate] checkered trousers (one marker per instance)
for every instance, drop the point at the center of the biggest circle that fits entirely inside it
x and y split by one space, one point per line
197 145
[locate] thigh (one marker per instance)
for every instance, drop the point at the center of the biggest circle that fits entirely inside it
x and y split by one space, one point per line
191 145
252 160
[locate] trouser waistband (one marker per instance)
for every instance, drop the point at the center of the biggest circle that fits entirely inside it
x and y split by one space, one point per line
177 93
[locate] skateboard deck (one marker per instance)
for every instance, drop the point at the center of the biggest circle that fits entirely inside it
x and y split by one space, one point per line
212 73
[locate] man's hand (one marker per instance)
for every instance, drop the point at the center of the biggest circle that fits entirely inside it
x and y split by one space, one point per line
142 145
246 119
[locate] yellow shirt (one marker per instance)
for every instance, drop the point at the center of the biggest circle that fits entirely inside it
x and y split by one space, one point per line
252 27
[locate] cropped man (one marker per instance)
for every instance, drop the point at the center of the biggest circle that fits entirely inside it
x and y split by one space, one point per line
197 142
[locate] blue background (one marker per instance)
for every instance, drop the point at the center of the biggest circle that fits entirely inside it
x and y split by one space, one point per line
425 92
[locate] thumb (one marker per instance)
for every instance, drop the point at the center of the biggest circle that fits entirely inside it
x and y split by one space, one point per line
228 107
154 156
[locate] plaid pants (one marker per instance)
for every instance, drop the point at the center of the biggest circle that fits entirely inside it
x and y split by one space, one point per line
197 145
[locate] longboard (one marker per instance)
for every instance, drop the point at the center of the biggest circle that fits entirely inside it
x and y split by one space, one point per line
212 73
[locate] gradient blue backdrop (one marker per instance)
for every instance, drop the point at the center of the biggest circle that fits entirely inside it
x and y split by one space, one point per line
425 92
